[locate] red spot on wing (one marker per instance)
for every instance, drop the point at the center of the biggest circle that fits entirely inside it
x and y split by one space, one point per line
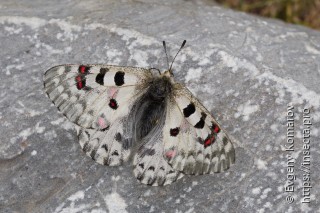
102 123
80 79
215 128
80 82
83 69
207 142
171 153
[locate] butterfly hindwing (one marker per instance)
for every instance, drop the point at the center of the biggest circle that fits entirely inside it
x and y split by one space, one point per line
193 140
150 167
92 96
107 147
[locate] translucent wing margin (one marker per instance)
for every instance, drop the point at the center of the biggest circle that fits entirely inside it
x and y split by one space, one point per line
193 140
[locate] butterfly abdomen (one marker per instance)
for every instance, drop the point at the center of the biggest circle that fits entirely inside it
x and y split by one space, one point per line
149 116
149 111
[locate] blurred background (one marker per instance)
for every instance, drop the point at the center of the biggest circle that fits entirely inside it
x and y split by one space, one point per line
303 12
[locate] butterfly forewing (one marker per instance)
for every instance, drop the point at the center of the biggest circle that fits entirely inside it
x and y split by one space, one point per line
98 98
193 140
92 96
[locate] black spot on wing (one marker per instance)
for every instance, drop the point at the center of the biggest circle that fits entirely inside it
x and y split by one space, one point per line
105 161
91 112
86 147
105 129
201 122
118 137
93 154
105 147
140 177
189 110
113 104
200 140
151 168
115 153
174 132
119 78
100 76
225 141
151 181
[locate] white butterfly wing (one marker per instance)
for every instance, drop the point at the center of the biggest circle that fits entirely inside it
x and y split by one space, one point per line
108 147
98 98
150 167
193 140
93 96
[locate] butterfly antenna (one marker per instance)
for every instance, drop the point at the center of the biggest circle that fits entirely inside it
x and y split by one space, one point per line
182 45
165 50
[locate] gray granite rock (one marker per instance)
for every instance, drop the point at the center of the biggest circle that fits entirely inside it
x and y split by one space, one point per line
246 70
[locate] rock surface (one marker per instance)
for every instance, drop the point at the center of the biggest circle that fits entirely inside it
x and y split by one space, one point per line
246 70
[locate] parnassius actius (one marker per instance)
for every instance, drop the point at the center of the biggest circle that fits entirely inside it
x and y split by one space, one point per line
131 113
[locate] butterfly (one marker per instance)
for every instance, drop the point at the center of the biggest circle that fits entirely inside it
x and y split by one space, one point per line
125 114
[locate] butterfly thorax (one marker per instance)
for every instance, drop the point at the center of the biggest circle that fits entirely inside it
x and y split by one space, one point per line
160 88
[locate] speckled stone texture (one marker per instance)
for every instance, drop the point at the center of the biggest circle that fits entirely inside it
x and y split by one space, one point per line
246 70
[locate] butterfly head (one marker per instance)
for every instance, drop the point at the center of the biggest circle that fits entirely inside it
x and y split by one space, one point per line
168 74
